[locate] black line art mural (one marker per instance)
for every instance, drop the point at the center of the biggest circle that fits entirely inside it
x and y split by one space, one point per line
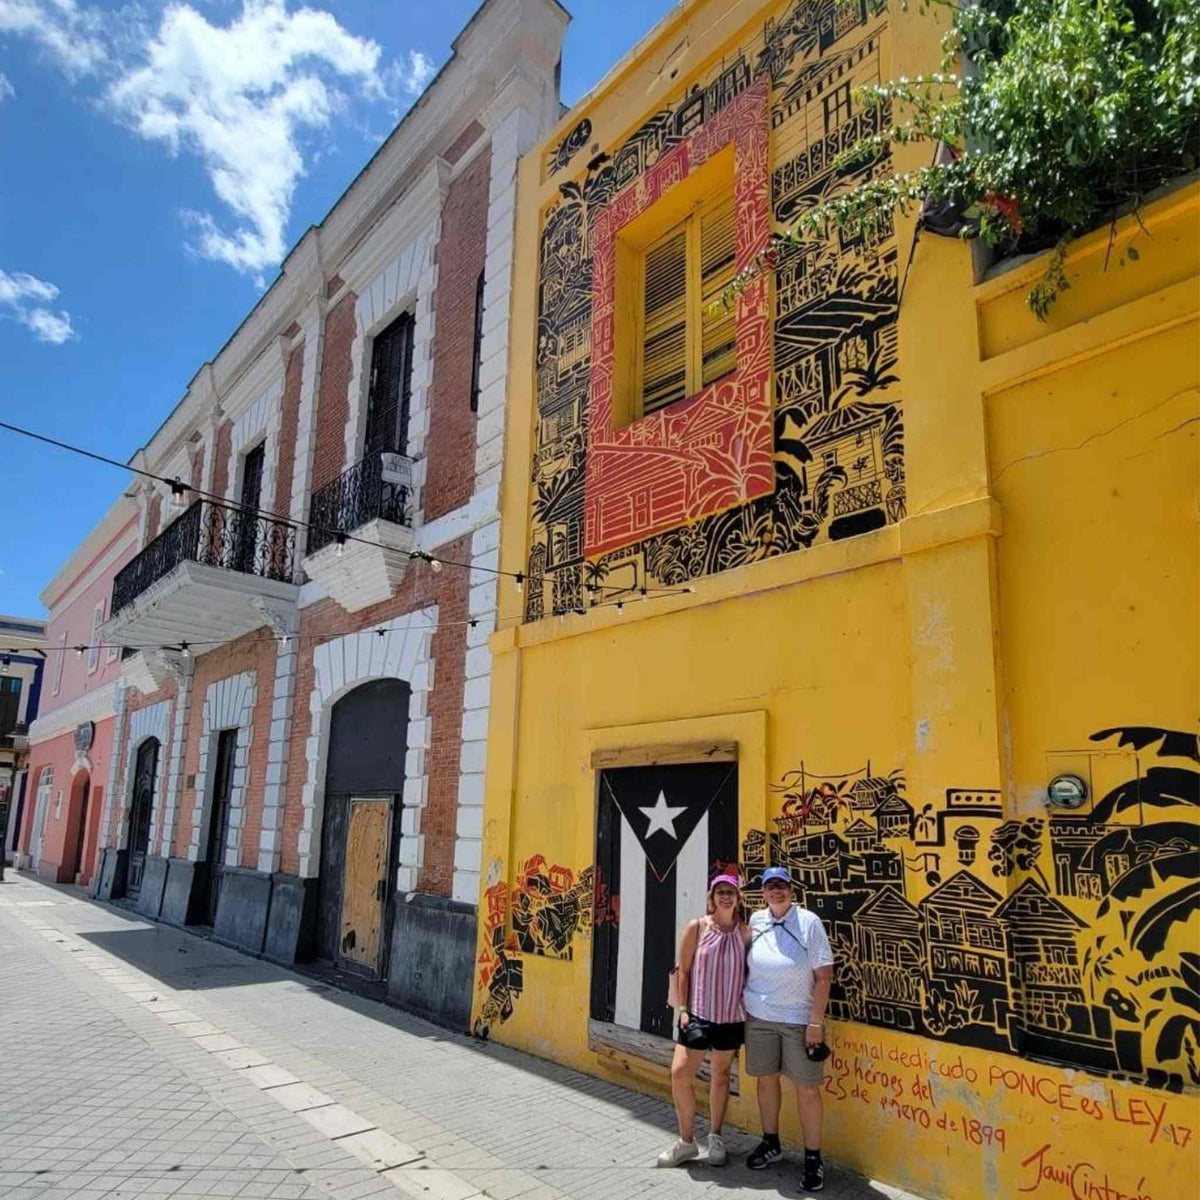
838 417
560 157
1070 937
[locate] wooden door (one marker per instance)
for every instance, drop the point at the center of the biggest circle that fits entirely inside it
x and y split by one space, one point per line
85 791
218 821
139 812
365 887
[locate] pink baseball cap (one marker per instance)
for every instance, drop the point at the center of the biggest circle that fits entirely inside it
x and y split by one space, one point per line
732 880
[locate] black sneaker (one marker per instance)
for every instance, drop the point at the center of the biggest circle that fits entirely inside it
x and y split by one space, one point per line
764 1154
814 1176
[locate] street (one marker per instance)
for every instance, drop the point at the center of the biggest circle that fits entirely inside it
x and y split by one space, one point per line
140 1060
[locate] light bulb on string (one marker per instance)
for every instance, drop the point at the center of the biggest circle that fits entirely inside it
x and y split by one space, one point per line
78 651
340 539
183 649
519 582
434 565
179 492
642 595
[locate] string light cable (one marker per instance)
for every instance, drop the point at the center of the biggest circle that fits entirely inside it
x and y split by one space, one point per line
339 536
186 648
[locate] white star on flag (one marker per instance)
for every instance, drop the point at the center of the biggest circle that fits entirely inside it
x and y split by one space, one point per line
662 816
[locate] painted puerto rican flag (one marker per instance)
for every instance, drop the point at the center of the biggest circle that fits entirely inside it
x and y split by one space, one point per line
662 833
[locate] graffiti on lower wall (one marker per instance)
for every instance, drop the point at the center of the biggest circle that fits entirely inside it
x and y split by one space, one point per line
945 924
541 915
1070 937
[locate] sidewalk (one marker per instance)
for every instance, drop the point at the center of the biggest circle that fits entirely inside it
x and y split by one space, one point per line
136 1059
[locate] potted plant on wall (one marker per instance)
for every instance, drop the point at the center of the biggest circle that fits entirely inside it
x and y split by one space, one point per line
1069 113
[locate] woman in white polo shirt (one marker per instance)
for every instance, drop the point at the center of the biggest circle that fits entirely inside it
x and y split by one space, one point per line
789 973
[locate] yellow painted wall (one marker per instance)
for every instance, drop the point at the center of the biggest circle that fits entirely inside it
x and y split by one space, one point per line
1042 587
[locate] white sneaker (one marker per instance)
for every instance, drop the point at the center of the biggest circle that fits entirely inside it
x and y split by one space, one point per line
681 1152
717 1154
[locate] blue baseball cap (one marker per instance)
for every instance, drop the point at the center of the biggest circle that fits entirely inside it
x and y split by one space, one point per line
776 875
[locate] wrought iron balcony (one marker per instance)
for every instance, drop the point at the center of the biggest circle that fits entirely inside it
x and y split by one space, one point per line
217 536
209 576
357 496
371 500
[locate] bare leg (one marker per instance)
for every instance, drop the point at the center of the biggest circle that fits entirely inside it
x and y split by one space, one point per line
684 1066
768 1102
808 1100
718 1088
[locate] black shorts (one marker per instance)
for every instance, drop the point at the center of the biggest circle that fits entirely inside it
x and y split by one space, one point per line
700 1034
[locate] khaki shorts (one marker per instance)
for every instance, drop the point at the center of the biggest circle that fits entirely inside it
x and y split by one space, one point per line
772 1047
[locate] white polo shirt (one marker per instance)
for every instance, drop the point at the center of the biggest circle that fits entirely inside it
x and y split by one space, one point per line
783 956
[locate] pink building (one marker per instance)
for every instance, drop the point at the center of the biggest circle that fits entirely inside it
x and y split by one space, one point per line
70 756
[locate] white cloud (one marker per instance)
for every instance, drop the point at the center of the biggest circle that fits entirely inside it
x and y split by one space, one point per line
6 88
240 98
70 34
247 98
408 76
25 298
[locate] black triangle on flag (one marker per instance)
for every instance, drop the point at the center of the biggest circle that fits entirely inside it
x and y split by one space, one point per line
664 806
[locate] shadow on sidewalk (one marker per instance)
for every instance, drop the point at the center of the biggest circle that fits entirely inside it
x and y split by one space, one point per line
183 960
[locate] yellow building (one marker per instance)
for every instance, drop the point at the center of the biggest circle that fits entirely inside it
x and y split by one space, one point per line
846 584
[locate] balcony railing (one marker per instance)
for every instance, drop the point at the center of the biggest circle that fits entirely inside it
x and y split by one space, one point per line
214 535
355 497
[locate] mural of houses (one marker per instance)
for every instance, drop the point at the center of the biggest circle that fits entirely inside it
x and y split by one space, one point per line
895 817
1051 1007
861 836
965 960
888 933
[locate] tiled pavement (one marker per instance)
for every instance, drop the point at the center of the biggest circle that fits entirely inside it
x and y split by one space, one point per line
138 1060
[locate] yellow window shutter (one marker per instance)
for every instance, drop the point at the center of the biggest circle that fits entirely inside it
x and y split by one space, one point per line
718 256
664 322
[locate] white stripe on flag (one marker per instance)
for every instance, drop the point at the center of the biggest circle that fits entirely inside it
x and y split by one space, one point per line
631 933
691 869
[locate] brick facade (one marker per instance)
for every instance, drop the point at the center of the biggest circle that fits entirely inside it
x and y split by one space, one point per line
460 258
255 652
288 428
221 456
333 409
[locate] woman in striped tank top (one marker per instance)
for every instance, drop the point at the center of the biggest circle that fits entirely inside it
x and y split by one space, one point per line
712 971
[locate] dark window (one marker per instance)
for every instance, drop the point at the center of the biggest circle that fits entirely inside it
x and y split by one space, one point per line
478 348
10 703
246 522
390 388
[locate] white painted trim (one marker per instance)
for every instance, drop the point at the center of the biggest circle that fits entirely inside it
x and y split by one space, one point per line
228 704
341 664
145 723
91 706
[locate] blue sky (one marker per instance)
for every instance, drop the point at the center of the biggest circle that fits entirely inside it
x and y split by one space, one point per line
156 161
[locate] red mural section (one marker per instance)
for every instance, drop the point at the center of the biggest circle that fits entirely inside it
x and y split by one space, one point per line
712 451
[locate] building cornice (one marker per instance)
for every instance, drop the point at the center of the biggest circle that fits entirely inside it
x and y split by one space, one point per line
91 706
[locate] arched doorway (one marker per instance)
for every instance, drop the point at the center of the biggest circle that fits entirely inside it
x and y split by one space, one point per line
360 832
81 790
145 775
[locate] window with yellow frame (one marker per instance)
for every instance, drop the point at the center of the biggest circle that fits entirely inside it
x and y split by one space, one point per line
675 335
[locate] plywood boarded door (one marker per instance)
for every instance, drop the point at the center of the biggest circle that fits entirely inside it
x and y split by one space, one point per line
367 838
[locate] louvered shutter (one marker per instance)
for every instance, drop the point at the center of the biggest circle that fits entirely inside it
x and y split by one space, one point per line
718 342
664 329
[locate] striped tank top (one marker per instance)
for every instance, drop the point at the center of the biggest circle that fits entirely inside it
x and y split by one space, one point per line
718 975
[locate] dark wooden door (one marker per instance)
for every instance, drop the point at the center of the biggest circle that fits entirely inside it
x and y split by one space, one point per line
82 835
390 389
218 822
247 517
144 775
